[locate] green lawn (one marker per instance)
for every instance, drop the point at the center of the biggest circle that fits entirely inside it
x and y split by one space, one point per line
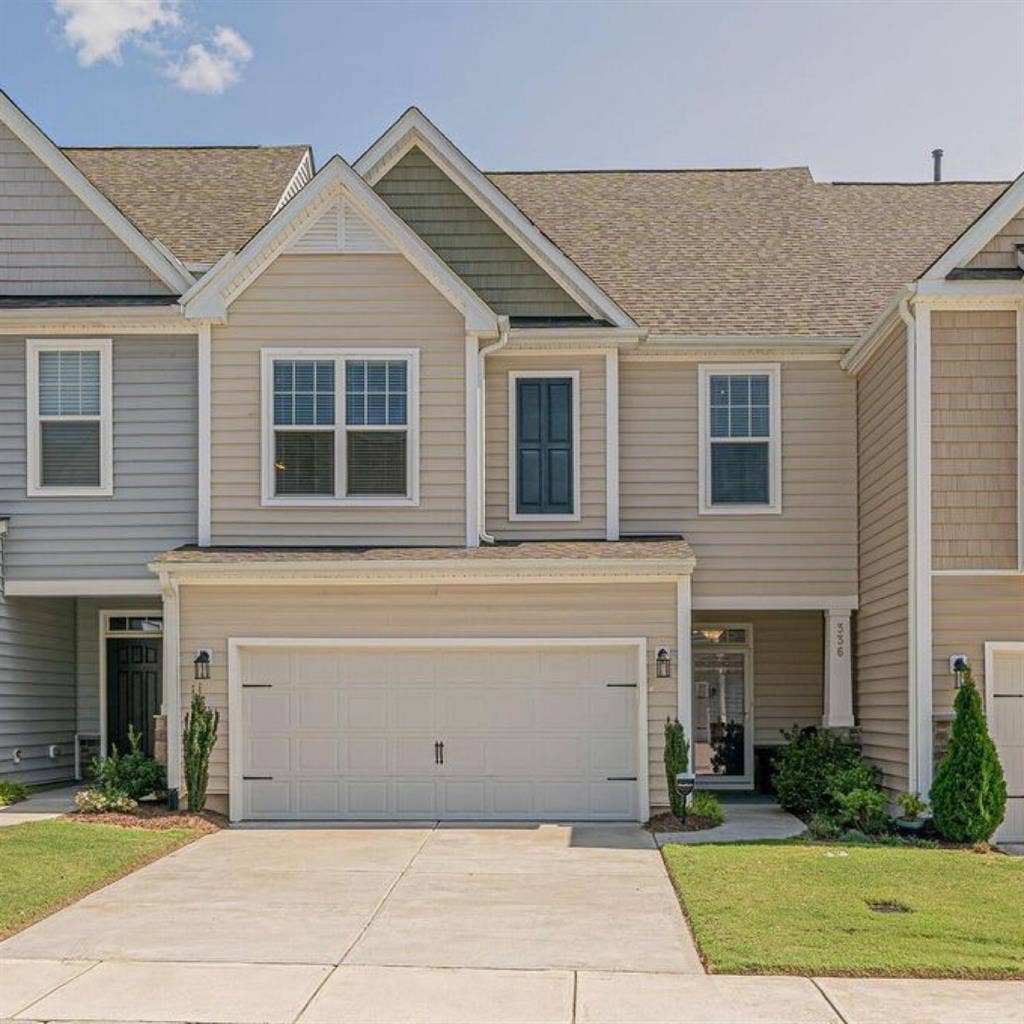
45 865
802 909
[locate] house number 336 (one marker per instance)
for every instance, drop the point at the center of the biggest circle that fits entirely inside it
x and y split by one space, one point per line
840 638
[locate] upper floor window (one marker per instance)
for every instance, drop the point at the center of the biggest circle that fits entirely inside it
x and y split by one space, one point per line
69 425
544 471
340 426
740 439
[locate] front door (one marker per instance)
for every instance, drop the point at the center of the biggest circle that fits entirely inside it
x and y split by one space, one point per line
722 705
134 690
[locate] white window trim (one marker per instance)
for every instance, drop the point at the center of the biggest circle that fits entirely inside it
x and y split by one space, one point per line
33 347
412 497
558 517
774 504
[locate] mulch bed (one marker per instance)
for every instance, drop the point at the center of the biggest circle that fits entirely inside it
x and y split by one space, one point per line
153 816
668 822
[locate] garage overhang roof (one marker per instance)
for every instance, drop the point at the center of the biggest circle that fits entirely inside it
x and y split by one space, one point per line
655 559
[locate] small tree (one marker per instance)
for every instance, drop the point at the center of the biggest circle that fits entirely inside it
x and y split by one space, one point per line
969 792
677 759
200 735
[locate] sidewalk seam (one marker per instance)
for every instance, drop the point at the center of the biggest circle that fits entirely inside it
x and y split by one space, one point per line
825 996
305 1006
56 988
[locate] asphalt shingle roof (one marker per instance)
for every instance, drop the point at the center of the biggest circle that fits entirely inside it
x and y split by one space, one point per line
200 201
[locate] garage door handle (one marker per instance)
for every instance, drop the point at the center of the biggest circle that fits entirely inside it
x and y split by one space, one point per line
258 778
439 752
621 778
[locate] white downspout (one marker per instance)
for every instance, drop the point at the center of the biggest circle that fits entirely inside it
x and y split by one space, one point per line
503 338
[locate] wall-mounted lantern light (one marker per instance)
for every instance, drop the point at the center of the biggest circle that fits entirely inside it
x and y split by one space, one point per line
663 663
958 666
201 664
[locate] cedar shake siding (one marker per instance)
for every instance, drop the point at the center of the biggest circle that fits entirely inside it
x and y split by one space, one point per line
881 633
1000 252
809 549
494 266
334 302
52 243
37 688
154 503
974 440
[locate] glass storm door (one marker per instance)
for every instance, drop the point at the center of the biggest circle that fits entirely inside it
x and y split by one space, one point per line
723 742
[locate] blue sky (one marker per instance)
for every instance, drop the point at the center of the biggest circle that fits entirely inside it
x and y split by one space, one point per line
858 91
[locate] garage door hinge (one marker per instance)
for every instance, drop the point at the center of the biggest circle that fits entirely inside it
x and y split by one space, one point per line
258 778
256 686
621 778
622 686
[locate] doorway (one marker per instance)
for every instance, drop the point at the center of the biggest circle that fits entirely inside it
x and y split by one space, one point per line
132 647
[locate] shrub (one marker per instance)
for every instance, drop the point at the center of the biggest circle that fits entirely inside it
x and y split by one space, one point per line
862 809
823 826
812 766
911 805
12 792
200 735
969 792
134 774
95 801
707 806
677 759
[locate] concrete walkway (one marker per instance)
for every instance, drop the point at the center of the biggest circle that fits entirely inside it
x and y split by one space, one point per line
744 821
42 805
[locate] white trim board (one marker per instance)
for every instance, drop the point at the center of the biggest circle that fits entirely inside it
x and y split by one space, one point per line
415 129
577 491
155 257
82 588
235 713
211 296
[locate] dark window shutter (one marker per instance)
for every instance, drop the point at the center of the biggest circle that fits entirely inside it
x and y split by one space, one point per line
544 446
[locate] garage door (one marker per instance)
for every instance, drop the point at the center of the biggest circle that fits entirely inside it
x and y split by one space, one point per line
1006 703
386 731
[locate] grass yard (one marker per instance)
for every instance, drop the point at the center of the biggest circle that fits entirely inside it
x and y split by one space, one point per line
44 865
803 909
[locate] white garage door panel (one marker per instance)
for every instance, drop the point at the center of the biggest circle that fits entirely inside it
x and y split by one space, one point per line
1006 696
527 732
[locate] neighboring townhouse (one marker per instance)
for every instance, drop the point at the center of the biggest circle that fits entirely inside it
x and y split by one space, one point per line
448 488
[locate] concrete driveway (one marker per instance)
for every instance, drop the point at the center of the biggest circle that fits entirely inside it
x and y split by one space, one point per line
508 925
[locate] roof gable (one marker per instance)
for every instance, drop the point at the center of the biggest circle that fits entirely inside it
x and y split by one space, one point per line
363 222
85 232
407 154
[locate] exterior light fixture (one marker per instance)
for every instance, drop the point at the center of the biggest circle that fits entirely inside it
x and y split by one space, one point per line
201 665
958 666
663 663
684 786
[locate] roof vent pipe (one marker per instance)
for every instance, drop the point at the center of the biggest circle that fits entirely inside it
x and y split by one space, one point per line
936 165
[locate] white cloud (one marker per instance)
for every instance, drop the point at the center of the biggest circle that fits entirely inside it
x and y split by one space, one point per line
212 69
97 29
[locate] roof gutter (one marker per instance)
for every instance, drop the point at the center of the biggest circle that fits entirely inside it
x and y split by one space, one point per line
504 334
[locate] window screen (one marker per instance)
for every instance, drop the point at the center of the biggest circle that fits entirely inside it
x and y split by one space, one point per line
69 402
304 399
376 402
740 439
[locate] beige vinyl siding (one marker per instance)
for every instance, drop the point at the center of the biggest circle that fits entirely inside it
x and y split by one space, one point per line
53 244
881 627
788 668
810 548
967 612
592 448
466 238
211 614
332 302
974 439
1001 250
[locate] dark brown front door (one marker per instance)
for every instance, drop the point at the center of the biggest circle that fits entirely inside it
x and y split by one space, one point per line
134 690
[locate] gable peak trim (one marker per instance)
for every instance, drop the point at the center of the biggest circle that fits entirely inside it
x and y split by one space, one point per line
415 130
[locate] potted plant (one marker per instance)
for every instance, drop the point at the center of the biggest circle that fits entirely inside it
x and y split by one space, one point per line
913 808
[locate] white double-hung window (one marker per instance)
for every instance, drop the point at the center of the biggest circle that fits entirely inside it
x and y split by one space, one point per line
69 428
740 439
341 427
